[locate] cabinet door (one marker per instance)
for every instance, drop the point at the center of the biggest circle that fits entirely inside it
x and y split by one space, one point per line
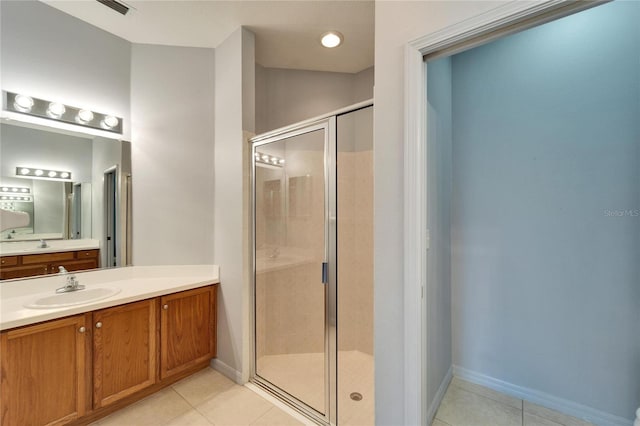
43 372
124 351
187 330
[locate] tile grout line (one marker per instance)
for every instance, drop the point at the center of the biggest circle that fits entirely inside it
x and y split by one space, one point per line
181 397
262 415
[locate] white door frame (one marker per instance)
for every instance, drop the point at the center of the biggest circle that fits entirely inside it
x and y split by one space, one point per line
511 17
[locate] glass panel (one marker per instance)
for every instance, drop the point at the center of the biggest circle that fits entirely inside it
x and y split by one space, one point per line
290 248
355 267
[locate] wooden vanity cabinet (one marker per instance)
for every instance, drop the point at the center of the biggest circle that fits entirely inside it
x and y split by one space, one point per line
124 351
31 265
44 372
80 368
187 330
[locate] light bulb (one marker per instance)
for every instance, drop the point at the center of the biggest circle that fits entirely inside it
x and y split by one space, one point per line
39 172
14 189
52 174
24 190
282 161
85 116
23 103
56 110
265 157
110 122
5 198
64 175
25 171
5 189
331 39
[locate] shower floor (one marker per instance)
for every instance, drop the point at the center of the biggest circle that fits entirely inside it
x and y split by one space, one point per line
300 375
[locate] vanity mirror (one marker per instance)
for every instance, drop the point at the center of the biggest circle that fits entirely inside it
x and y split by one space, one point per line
75 188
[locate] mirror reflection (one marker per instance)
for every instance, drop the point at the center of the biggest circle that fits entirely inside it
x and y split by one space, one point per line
80 223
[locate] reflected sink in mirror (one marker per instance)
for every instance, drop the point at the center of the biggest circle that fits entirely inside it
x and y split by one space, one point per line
72 298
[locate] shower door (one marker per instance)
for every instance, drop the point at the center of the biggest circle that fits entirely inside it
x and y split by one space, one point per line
294 263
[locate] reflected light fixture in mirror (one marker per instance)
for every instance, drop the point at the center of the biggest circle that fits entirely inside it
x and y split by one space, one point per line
38 173
13 190
57 111
272 160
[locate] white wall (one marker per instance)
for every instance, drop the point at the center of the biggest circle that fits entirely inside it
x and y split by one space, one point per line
234 89
172 152
52 55
397 22
285 96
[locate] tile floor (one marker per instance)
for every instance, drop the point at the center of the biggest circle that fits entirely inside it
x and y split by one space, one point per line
204 399
468 404
208 398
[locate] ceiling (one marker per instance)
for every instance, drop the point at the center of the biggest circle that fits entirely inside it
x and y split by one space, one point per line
287 32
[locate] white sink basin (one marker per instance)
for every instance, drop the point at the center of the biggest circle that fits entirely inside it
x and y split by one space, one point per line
78 297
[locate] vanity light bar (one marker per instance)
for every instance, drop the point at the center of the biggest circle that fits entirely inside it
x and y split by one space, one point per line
14 190
50 110
16 198
34 172
272 160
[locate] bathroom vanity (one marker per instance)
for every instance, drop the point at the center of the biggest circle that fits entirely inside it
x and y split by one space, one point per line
47 263
26 259
74 364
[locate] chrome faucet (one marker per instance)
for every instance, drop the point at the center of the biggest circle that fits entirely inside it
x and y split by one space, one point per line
43 244
72 282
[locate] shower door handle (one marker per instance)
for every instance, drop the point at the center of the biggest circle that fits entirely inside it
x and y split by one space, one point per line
325 273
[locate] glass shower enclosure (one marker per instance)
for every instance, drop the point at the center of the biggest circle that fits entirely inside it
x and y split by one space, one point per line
295 289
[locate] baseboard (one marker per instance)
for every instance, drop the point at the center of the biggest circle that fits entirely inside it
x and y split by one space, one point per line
437 399
227 370
571 408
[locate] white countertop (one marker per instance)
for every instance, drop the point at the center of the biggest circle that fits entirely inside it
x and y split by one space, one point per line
136 283
18 248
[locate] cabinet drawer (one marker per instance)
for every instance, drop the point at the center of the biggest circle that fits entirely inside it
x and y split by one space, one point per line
75 265
8 260
48 257
11 272
87 254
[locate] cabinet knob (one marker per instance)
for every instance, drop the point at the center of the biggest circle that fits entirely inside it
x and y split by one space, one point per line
99 324
165 307
82 329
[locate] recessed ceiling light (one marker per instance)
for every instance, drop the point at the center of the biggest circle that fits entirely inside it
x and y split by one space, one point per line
331 39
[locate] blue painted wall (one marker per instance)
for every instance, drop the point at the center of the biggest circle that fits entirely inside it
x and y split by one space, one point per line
546 208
